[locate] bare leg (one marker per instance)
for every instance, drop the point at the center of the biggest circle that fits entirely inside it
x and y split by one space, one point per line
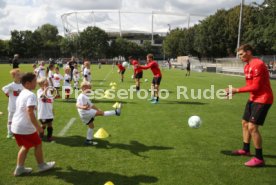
21 157
245 132
39 154
256 136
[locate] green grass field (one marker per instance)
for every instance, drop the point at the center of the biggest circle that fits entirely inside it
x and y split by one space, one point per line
149 144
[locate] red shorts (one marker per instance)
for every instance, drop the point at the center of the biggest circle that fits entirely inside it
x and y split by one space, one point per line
27 141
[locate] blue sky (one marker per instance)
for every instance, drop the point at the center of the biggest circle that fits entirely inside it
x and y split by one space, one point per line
29 14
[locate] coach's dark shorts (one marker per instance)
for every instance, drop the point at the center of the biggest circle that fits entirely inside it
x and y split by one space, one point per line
156 80
139 75
256 112
122 72
45 121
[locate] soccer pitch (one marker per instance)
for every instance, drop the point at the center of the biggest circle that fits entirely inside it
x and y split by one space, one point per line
149 143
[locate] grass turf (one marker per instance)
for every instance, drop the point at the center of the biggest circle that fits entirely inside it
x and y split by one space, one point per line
149 144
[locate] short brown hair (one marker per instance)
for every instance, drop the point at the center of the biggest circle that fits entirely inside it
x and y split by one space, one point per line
27 77
150 56
245 47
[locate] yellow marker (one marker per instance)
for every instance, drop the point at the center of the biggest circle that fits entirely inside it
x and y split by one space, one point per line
101 134
109 183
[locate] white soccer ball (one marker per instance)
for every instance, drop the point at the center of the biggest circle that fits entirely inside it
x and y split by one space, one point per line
132 76
146 80
125 64
194 122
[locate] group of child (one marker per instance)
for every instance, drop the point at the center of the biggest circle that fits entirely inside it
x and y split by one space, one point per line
23 104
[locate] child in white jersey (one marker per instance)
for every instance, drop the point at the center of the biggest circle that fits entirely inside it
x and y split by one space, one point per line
12 91
66 84
57 78
50 74
25 127
45 108
88 111
87 72
40 71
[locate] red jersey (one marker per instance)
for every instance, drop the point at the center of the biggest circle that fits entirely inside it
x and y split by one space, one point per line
136 68
153 65
257 82
121 67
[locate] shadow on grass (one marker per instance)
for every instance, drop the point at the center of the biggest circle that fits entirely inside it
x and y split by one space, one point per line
228 152
182 102
111 101
81 177
133 147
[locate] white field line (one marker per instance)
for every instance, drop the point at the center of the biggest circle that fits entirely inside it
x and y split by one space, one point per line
67 126
106 76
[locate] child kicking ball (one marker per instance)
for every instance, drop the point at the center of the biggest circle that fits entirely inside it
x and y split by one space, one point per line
88 111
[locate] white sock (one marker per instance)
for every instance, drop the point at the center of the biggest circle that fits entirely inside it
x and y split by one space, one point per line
89 134
9 128
110 113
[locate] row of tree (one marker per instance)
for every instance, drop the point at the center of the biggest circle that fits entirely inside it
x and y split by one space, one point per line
215 36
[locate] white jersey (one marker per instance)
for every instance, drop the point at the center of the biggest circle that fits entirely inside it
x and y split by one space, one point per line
44 106
12 90
41 72
67 79
57 79
21 122
76 75
51 76
85 115
87 74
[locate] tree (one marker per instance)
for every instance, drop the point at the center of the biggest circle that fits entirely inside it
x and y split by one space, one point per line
50 39
94 43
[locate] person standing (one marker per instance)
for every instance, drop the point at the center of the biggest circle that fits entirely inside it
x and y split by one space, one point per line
15 62
157 76
121 70
25 128
256 109
138 72
71 64
188 68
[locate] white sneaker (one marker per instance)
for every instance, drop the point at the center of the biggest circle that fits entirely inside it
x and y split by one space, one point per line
91 142
9 135
22 170
46 166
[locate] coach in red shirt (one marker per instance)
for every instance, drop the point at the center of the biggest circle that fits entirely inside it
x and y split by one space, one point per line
256 109
157 76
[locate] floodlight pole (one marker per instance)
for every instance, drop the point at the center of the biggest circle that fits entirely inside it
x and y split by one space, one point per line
152 41
120 26
240 25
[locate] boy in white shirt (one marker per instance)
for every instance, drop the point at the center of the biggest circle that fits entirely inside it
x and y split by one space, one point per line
45 112
50 74
12 91
86 72
88 111
57 78
25 127
66 84
76 76
41 72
